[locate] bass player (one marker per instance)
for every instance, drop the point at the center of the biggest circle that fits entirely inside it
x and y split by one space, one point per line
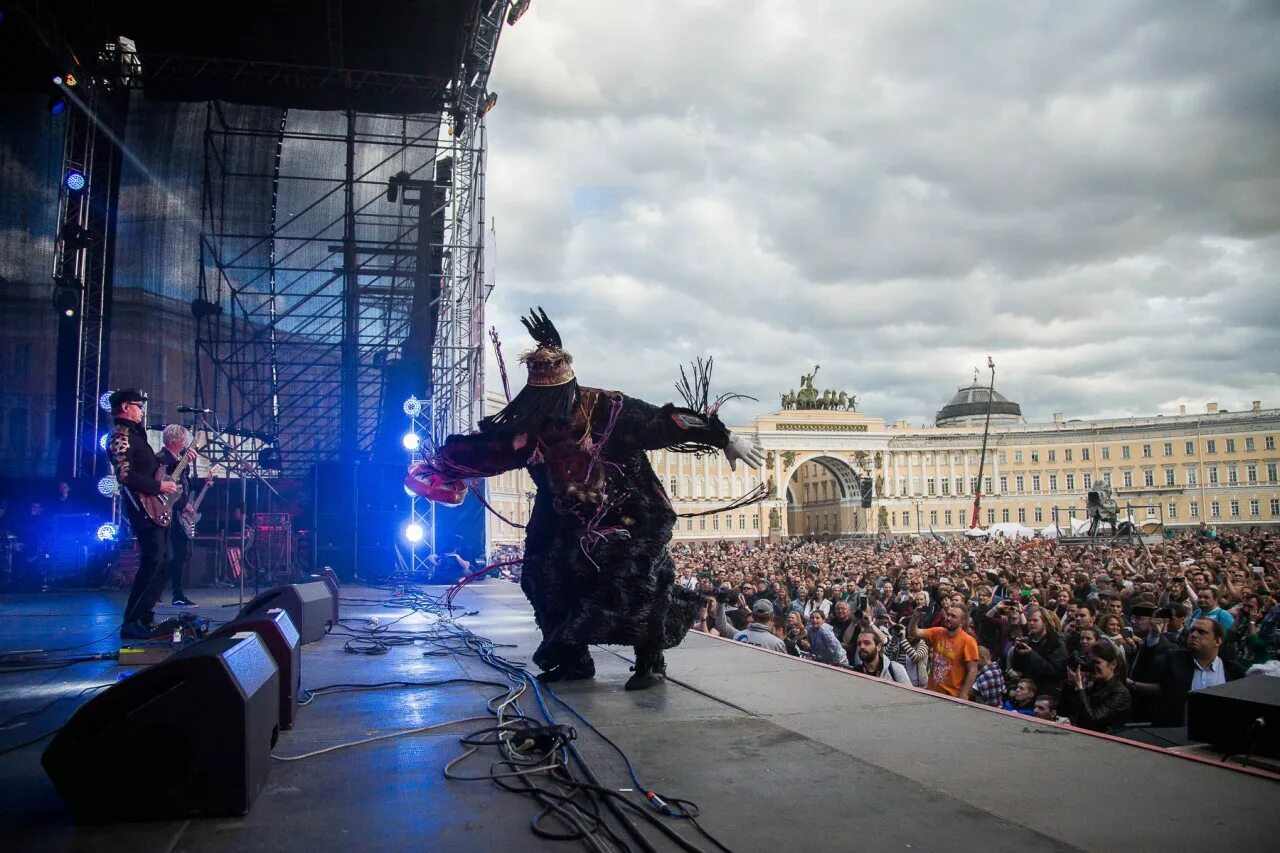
136 466
176 439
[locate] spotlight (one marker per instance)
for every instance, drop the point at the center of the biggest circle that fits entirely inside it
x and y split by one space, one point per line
413 532
201 308
489 103
517 10
70 79
411 442
75 180
413 407
102 441
57 80
104 402
66 299
108 487
108 532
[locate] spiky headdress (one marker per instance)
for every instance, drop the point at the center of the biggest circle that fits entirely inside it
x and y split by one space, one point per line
549 395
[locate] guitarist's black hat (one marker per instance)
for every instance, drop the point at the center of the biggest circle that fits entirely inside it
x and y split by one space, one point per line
126 395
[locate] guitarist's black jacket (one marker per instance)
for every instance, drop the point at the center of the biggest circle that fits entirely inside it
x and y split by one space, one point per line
170 462
135 464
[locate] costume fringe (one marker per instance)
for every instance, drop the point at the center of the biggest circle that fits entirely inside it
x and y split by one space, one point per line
696 393
754 496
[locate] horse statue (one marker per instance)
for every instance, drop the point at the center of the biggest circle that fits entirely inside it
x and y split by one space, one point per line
807 396
1100 507
842 401
788 400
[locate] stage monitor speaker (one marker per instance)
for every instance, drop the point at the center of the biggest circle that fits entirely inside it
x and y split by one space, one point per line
1239 717
330 579
190 737
309 605
285 646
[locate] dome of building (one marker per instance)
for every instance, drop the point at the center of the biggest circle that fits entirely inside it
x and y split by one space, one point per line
969 408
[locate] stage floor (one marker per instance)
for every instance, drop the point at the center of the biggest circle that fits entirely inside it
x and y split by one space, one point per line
779 754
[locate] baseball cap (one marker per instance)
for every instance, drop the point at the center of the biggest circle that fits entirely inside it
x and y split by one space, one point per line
762 608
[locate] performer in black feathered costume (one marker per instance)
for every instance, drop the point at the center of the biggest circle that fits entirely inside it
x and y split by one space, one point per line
596 567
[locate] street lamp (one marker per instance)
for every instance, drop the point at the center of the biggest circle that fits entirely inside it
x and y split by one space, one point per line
528 511
917 503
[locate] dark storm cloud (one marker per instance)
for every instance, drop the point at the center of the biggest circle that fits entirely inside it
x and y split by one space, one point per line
1086 191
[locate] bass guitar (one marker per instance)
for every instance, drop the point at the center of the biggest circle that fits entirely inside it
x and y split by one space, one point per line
190 516
159 508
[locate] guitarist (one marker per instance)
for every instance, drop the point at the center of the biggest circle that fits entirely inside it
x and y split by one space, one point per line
176 439
136 465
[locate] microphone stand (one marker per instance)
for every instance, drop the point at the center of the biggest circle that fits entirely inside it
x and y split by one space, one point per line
242 466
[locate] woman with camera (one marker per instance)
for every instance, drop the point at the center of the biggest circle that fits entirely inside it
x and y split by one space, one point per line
795 636
1096 697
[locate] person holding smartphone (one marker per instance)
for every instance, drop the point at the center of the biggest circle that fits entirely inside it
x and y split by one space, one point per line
1041 654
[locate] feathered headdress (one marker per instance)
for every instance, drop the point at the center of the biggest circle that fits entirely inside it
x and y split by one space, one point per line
548 395
548 364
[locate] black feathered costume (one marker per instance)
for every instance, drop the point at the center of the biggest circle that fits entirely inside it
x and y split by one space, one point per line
596 567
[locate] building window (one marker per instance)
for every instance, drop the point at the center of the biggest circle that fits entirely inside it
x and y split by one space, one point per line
1214 509
1275 507
1151 512
893 519
1211 446
1128 479
1086 480
1053 482
1084 454
1035 483
1146 451
1017 456
973 485
1251 473
1168 448
1003 457
1018 483
931 487
1022 515
947 517
1039 515
1168 477
906 519
1106 453
1194 509
1271 472
1071 482
1148 477
933 518
1254 510
964 515
956 459
742 522
1213 475
1269 442
991 516
1235 509
1191 448
1004 515
672 483
1173 509
959 485
755 522
1053 456
1004 485
1231 445
1066 454
688 524
946 485
1248 444
1233 475
1106 475
702 523
1189 475
986 484
715 522
1035 456
1124 451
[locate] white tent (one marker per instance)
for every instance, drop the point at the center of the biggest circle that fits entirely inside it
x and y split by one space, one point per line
1049 532
1011 530
975 533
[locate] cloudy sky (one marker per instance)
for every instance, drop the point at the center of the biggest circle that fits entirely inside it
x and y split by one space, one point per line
1089 192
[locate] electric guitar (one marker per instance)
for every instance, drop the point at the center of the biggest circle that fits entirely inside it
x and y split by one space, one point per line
190 516
159 508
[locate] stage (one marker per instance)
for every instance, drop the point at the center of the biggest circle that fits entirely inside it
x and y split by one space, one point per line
779 754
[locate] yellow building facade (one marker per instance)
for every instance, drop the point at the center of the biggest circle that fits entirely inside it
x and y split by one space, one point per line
1214 466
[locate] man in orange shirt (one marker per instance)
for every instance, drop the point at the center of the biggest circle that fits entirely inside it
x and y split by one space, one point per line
953 662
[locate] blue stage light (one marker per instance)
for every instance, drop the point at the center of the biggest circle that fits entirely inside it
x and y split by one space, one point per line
75 181
414 532
102 441
413 407
104 401
108 487
411 442
108 532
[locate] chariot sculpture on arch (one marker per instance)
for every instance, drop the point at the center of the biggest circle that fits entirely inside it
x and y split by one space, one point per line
808 398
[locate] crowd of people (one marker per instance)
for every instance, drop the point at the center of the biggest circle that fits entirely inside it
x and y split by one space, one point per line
1101 636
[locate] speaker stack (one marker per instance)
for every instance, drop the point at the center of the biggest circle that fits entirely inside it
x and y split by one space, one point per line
1240 717
190 737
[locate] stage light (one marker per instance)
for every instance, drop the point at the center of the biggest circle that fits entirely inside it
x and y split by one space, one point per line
517 10
57 80
104 401
66 299
413 407
70 79
102 441
489 103
108 532
411 442
413 532
75 181
108 487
